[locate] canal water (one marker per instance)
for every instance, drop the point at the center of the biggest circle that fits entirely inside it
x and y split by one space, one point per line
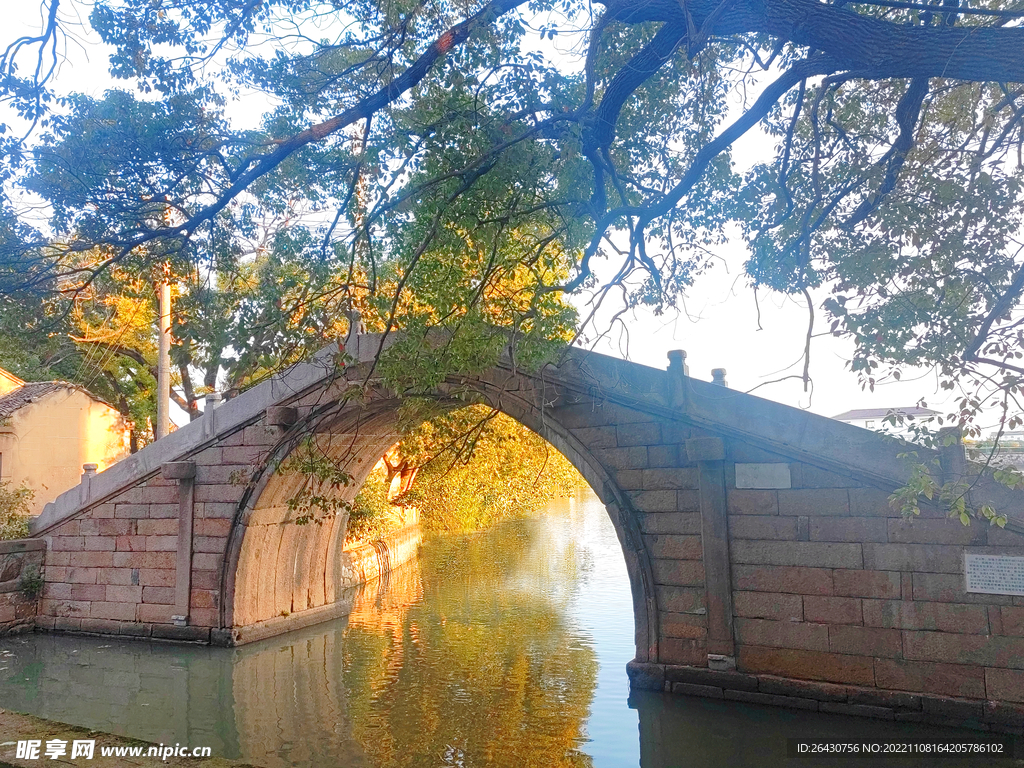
505 648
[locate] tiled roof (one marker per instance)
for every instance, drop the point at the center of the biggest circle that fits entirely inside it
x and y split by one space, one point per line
881 413
28 393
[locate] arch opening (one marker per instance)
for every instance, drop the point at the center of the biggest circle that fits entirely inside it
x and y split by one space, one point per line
278 569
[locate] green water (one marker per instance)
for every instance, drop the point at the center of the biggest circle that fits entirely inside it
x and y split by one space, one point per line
507 648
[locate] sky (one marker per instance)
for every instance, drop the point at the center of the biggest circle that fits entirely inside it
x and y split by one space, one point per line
720 326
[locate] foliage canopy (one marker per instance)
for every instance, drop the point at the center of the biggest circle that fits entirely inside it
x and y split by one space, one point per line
443 164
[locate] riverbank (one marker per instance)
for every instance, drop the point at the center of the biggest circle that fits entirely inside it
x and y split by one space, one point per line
15 727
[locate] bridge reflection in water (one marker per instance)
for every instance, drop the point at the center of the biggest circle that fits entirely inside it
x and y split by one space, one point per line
507 648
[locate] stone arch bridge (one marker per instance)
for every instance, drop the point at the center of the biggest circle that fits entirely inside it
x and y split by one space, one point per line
765 561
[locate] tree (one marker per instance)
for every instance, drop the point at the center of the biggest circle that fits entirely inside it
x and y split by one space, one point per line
464 470
428 153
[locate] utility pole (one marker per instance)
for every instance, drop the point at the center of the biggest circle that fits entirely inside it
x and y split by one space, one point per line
163 365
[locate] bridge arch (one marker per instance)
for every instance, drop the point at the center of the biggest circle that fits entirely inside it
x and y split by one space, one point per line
274 568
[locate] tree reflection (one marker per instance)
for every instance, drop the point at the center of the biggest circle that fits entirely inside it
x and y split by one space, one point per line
483 670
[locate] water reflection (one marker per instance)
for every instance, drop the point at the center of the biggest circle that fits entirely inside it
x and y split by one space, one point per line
503 649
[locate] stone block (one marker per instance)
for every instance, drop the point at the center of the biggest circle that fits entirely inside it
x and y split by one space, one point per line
865 641
67 543
780 686
131 511
87 591
94 559
768 605
156 577
204 561
812 554
158 595
1004 713
919 558
825 609
717 678
669 479
1005 685
216 510
144 559
761 527
679 573
670 522
663 456
674 650
895 700
744 502
134 629
216 527
59 591
163 511
814 502
204 617
247 455
80 576
790 702
858 710
671 546
782 634
1011 620
679 599
646 676
926 677
205 579
112 575
806 665
622 458
596 437
949 588
161 543
163 527
683 625
155 614
116 528
871 502
123 594
848 529
944 617
115 611
219 492
100 626
865 583
983 650
954 709
640 433
187 634
917 530
654 501
204 598
794 580
131 543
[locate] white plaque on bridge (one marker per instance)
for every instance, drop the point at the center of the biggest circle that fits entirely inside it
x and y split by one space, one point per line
765 476
994 574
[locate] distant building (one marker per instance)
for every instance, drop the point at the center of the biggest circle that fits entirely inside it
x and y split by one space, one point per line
874 418
49 429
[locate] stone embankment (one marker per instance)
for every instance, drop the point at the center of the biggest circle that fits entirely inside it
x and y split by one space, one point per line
21 580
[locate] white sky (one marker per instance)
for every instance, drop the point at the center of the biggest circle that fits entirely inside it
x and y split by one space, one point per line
719 327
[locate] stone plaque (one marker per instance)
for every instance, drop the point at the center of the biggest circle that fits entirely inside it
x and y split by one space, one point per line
994 574
766 476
